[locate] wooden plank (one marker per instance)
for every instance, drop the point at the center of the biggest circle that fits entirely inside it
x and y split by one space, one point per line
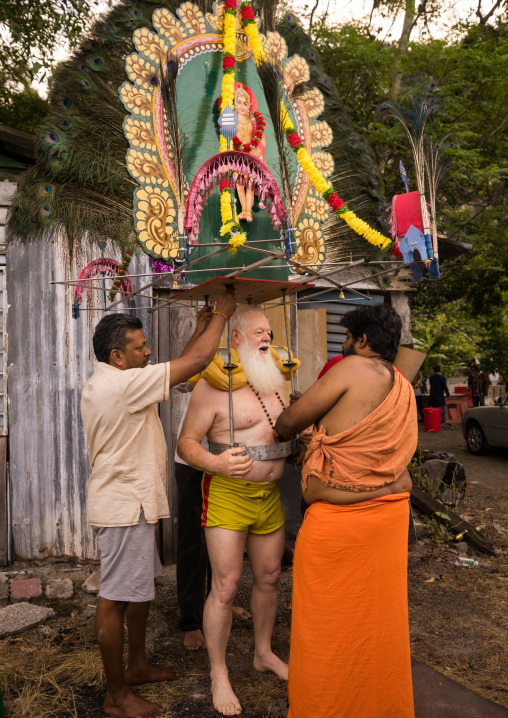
4 528
312 337
427 504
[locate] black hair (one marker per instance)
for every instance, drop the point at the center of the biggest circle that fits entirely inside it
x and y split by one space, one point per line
381 325
111 333
437 368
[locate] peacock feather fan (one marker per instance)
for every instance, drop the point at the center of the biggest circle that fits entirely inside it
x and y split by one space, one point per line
80 185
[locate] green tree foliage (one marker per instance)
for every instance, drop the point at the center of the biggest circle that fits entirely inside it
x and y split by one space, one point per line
466 76
30 34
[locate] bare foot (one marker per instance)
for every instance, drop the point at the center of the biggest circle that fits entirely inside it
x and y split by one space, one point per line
149 674
224 699
270 662
129 705
240 613
194 640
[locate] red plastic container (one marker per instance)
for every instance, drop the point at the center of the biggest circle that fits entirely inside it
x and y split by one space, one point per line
432 420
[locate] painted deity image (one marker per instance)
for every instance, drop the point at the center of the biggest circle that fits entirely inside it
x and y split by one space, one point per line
249 138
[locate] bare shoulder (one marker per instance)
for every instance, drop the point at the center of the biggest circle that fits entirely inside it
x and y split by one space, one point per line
354 367
207 396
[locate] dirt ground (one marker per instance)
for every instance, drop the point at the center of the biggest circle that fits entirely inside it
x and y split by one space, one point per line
458 622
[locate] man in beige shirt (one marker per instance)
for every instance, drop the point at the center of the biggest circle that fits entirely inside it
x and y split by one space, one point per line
127 491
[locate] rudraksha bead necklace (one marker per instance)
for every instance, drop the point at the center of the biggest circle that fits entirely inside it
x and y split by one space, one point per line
264 407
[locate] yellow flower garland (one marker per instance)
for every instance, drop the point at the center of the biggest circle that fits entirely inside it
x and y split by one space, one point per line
305 160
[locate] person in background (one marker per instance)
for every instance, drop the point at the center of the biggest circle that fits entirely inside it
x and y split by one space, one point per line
478 385
417 387
438 389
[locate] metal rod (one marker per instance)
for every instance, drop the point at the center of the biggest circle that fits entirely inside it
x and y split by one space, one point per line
236 273
205 256
141 289
324 291
256 265
335 271
288 341
378 274
226 244
326 279
178 270
230 389
227 269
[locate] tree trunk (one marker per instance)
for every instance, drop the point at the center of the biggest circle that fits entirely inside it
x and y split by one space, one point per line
409 18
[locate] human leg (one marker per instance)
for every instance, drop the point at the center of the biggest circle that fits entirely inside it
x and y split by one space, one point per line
225 548
419 405
265 554
129 564
243 201
192 557
249 200
120 701
138 669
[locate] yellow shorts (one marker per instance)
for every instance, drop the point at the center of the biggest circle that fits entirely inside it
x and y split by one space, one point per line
241 505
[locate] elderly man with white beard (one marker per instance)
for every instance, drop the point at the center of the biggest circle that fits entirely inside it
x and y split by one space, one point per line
241 499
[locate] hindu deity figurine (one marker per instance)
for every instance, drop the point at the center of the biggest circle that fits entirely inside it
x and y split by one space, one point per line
250 139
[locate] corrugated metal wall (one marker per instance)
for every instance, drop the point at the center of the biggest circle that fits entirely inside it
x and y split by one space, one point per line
49 359
335 333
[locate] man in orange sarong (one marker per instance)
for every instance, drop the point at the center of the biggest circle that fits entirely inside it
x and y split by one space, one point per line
350 655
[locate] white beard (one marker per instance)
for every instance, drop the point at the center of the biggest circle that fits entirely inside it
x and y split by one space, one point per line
261 370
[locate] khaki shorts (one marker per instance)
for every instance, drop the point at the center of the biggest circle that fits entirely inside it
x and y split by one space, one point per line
241 505
129 561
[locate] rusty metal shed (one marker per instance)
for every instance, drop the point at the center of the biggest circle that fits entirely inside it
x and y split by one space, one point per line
50 358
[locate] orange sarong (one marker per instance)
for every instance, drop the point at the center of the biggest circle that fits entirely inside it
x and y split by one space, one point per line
350 655
372 453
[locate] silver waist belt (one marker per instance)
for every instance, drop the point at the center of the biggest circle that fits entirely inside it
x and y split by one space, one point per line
260 453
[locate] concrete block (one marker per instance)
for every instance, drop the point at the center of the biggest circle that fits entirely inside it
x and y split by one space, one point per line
22 616
93 583
4 578
59 588
7 190
23 589
4 594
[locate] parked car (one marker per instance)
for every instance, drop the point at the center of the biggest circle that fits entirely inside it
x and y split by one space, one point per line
486 426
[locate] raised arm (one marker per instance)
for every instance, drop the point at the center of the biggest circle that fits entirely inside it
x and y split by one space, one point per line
317 401
201 348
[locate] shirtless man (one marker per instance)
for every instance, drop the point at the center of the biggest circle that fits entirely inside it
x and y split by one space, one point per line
241 507
351 554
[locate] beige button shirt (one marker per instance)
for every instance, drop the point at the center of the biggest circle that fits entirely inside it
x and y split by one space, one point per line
128 452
